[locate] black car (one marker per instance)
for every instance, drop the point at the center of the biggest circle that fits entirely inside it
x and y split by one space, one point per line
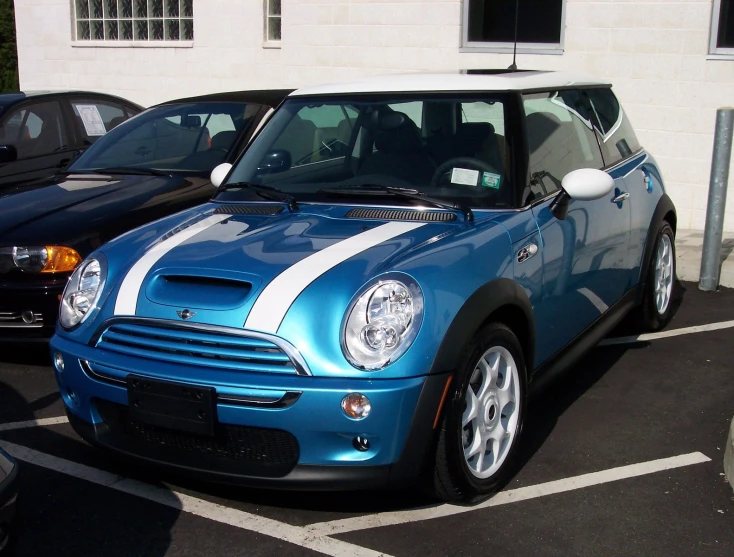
154 165
8 495
43 132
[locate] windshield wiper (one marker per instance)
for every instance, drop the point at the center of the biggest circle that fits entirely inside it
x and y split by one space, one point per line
405 193
130 170
266 192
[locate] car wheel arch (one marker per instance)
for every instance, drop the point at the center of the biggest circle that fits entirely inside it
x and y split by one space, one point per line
664 212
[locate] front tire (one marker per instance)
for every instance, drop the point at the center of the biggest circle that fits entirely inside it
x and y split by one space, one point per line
481 425
657 302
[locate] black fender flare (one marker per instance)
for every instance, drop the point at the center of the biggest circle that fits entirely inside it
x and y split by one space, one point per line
663 208
502 294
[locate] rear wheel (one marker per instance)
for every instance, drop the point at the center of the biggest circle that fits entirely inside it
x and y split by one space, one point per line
657 302
483 419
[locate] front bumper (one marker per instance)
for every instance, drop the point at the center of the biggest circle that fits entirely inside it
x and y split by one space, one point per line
8 496
307 444
28 314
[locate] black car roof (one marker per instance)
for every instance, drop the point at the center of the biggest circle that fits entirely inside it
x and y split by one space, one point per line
267 97
7 99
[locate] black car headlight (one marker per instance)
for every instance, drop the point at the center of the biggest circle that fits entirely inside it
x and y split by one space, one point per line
82 292
382 323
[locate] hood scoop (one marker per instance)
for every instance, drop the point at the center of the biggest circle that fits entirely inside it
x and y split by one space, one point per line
198 292
400 214
248 210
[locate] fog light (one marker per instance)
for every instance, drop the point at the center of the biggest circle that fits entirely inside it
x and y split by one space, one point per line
361 444
356 406
59 361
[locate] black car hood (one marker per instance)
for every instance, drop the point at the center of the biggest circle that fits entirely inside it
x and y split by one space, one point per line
81 210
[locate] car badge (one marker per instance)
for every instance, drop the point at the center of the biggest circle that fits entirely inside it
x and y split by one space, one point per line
185 314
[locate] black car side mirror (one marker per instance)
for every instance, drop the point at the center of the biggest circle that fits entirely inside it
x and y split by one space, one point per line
275 161
8 153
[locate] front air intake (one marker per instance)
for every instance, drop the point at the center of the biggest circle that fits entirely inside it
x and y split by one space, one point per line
399 214
248 210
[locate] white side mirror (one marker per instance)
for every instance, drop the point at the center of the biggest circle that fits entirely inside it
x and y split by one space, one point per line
586 184
220 173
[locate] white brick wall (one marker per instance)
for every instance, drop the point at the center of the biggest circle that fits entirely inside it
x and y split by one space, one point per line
654 51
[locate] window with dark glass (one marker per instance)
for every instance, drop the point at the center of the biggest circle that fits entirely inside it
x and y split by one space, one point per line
722 26
539 22
35 130
616 136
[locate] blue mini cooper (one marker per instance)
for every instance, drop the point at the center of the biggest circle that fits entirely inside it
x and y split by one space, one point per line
377 283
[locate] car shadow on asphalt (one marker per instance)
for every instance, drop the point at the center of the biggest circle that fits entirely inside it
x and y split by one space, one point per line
25 353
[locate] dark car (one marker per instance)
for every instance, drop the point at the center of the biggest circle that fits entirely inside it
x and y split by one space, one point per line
8 494
154 165
43 132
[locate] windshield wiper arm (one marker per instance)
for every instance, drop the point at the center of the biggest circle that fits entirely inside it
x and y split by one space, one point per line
405 193
130 170
266 192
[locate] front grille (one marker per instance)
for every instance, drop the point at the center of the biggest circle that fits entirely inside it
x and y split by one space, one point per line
249 450
196 346
398 214
25 319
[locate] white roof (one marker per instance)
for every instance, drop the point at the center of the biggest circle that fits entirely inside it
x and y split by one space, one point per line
423 82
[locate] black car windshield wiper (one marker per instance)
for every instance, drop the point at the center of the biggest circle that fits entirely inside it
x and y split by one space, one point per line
129 170
405 193
266 192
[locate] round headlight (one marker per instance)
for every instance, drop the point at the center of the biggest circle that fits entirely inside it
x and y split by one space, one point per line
382 323
81 293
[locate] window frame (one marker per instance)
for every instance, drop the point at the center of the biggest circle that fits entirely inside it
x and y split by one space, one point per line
714 51
508 47
117 43
267 16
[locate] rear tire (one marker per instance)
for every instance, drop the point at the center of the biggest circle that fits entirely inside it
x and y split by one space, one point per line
481 424
657 302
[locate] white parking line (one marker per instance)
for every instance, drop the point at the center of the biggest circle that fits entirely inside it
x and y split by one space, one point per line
505 497
199 507
666 334
34 423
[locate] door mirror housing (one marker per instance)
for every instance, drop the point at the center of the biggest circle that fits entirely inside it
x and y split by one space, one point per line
275 161
8 153
219 174
584 184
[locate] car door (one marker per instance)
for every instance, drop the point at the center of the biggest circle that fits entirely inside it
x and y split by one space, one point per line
585 256
37 132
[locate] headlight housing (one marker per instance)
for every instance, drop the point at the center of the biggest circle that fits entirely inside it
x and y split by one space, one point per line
45 259
82 292
382 322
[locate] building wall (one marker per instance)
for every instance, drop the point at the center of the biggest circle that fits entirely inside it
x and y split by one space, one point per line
654 51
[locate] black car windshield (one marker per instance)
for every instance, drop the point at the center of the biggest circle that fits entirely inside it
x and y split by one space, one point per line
190 138
450 147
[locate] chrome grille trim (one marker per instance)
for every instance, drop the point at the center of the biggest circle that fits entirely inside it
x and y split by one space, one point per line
294 356
14 320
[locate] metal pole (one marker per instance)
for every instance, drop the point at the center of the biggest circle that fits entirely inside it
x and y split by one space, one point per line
711 257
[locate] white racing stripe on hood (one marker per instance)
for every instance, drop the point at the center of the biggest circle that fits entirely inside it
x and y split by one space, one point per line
277 297
127 296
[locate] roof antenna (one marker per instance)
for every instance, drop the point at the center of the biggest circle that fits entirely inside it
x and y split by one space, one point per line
513 67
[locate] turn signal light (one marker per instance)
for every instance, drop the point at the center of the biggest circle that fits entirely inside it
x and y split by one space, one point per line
60 259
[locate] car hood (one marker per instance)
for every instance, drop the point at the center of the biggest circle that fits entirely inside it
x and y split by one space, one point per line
235 270
69 210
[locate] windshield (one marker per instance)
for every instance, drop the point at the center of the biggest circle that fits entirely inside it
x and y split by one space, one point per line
189 138
453 148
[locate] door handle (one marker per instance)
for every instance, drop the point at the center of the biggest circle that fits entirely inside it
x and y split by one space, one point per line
623 196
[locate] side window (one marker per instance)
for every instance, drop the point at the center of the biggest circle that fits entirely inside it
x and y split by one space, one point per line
616 136
318 133
35 130
95 118
560 140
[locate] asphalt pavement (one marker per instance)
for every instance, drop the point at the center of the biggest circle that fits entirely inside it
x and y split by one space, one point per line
621 456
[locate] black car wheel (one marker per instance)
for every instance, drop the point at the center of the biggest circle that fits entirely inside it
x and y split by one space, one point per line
482 422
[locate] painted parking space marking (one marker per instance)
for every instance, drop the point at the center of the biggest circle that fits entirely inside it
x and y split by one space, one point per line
511 496
666 334
34 423
280 530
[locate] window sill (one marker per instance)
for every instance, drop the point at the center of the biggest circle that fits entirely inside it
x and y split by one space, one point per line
508 49
271 44
132 44
720 56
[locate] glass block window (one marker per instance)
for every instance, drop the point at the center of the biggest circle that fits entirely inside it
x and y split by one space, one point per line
134 20
272 20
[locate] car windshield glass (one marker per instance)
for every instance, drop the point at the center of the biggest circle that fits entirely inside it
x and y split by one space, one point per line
187 138
449 147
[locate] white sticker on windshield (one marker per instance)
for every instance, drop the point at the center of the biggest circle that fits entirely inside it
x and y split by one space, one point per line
464 176
91 119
